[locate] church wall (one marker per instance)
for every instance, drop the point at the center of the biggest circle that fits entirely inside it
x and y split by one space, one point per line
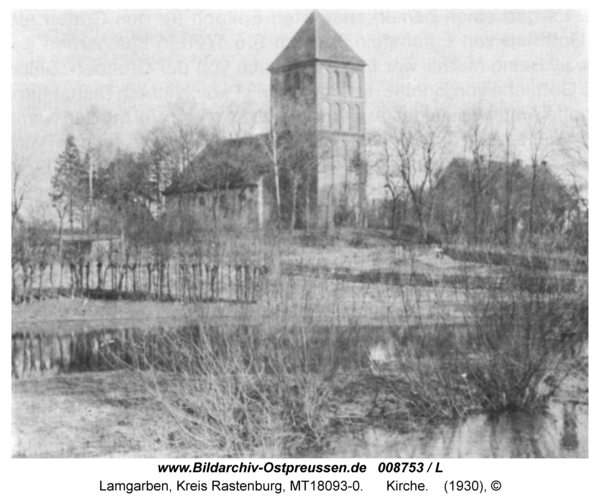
293 94
330 98
341 135
295 108
240 206
325 100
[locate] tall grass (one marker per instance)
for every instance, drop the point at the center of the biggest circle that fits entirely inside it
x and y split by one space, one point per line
242 390
516 345
279 386
528 336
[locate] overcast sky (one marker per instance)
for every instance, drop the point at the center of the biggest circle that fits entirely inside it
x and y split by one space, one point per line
134 66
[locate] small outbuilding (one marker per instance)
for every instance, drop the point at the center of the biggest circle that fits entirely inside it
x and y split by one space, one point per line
224 184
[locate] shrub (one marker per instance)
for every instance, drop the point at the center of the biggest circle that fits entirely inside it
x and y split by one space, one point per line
516 346
528 339
240 392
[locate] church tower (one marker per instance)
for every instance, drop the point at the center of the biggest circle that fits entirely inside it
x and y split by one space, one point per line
318 95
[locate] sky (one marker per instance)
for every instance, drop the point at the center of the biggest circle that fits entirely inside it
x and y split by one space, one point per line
134 67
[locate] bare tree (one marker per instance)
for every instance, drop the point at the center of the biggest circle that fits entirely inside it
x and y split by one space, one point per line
393 181
302 157
93 129
508 132
539 149
403 139
433 135
412 155
235 120
272 144
574 145
293 153
360 167
185 134
480 140
20 185
173 146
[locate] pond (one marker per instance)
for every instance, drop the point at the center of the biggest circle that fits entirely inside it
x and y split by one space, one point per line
560 431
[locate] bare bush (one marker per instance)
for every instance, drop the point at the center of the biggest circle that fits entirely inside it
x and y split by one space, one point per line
518 343
238 391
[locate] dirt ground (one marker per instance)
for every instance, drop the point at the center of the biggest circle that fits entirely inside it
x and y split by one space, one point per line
90 415
110 414
323 297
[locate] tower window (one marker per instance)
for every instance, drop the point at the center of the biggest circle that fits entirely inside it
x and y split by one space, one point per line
356 118
335 116
308 79
347 84
345 117
337 83
326 116
345 153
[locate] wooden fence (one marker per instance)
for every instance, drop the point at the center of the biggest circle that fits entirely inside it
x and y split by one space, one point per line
162 281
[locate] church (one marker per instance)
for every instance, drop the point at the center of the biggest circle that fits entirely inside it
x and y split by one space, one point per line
309 170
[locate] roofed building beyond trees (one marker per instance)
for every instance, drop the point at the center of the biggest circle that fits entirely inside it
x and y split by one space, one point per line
312 162
490 201
225 183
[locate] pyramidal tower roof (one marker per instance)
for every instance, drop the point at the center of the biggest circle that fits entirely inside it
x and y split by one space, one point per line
316 40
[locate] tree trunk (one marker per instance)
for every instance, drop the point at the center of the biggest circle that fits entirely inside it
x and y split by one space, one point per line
277 191
393 220
507 205
60 239
307 214
294 199
532 199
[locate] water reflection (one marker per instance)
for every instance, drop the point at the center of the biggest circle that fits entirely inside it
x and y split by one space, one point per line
569 440
562 432
330 349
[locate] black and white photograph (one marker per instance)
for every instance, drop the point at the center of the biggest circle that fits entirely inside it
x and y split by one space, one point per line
299 234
